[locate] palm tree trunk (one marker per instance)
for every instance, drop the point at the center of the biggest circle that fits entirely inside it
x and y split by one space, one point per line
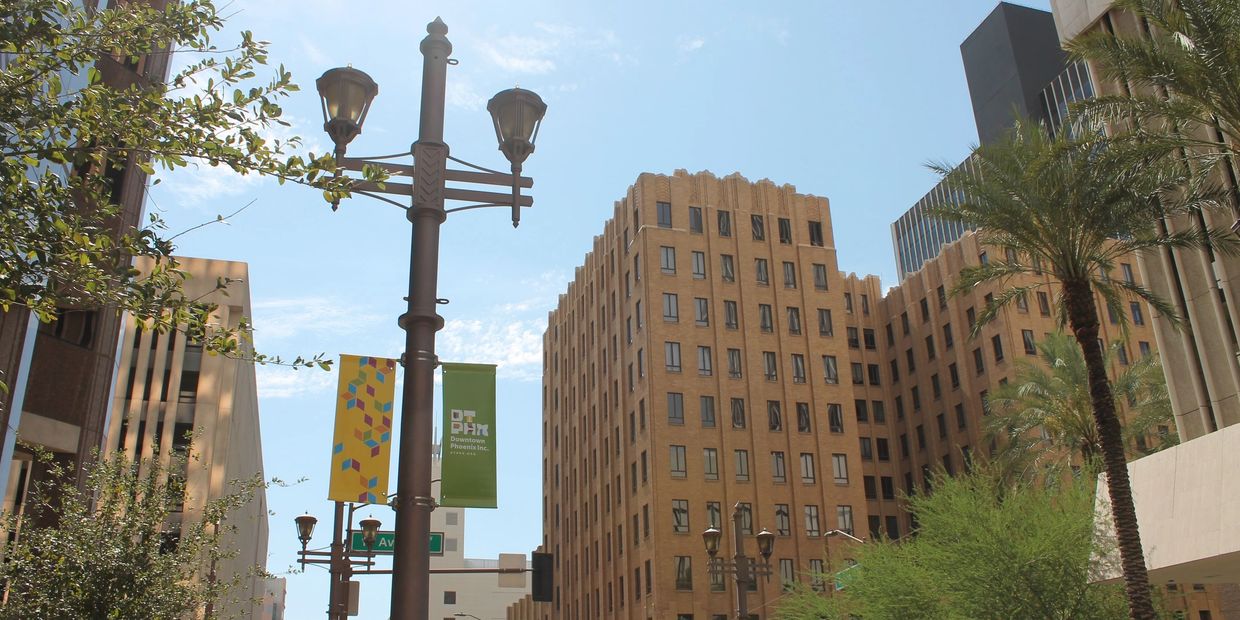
1083 319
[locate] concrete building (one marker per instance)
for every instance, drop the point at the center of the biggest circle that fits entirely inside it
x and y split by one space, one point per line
1185 502
479 594
674 390
168 390
695 363
275 591
35 358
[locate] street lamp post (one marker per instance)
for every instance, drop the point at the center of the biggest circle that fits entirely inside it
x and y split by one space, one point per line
745 569
516 114
339 560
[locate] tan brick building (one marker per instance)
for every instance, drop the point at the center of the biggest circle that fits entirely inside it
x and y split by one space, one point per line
710 351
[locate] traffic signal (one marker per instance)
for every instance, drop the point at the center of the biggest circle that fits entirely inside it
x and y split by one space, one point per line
543 569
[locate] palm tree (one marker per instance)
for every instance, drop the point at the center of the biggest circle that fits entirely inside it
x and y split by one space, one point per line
1049 406
1180 80
1073 204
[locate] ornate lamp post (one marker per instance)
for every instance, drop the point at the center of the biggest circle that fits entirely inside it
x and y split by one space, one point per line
340 561
745 569
346 96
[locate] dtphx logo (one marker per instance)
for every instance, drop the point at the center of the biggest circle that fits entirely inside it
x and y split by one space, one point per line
463 424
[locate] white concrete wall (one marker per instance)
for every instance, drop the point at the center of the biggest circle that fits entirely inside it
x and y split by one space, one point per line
1188 502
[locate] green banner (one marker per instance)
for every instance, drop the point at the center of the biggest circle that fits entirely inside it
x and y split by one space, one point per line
468 458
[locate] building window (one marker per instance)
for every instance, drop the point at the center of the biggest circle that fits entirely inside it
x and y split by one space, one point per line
954 374
449 597
961 422
861 406
839 468
730 319
817 571
761 273
779 470
844 518
1126 269
677 457
867 337
684 576
858 373
830 373
812 528
699 265
880 412
758 225
882 448
825 327
663 211
725 223
727 268
1137 318
947 336
671 356
1044 304
1031 347
867 448
803 424
848 306
815 234
704 362
714 515
872 374
925 310
742 465
695 219
997 344
680 516
808 471
734 363
766 320
783 520
675 408
746 519
774 417
738 413
798 368
794 320
710 463
787 576
701 311
667 259
671 307
707 406
835 417
854 339
785 230
790 275
820 276
979 365
770 365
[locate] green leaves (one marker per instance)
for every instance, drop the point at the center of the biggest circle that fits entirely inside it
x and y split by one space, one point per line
69 133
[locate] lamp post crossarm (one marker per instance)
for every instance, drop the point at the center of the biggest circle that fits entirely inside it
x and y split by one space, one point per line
483 176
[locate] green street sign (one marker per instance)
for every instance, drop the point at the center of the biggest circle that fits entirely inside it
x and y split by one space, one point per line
385 543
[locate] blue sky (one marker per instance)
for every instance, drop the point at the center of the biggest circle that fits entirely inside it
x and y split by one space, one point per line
846 100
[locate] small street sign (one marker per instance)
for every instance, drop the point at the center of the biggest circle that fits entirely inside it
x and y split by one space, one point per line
385 543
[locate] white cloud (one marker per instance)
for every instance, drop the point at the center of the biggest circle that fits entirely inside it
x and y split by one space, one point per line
522 54
461 94
312 51
513 345
282 319
284 382
689 44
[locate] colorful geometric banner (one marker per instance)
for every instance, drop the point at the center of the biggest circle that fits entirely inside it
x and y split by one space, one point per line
362 444
468 461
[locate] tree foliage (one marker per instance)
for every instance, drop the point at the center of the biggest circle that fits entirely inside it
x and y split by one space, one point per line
1072 204
66 133
984 550
104 551
1043 419
1181 74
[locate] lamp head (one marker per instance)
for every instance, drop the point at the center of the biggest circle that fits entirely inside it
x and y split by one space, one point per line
711 538
370 531
766 543
346 94
517 114
305 528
